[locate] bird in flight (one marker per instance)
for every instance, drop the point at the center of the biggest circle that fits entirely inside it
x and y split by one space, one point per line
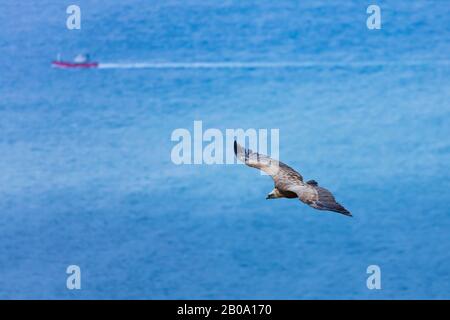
289 183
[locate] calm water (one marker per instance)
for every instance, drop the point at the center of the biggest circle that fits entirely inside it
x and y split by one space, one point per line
86 176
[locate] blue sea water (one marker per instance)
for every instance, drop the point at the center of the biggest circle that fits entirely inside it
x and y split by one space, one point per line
86 176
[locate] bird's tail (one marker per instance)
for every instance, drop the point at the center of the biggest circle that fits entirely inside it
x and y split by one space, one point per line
335 207
340 209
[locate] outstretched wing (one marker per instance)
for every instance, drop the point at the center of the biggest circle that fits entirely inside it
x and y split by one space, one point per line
282 174
326 201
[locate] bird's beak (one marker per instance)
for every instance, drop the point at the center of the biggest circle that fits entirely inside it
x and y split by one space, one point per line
268 197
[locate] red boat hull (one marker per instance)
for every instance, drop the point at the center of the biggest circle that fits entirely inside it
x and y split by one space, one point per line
71 65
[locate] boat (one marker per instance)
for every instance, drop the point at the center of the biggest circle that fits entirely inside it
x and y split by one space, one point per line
67 64
80 62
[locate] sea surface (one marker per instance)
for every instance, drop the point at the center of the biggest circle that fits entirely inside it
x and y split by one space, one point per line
86 176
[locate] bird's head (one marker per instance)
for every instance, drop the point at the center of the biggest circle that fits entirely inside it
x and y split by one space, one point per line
270 196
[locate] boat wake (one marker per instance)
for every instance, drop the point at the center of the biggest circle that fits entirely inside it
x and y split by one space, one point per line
268 65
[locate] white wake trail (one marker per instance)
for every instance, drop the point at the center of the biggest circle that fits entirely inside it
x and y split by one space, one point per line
267 65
